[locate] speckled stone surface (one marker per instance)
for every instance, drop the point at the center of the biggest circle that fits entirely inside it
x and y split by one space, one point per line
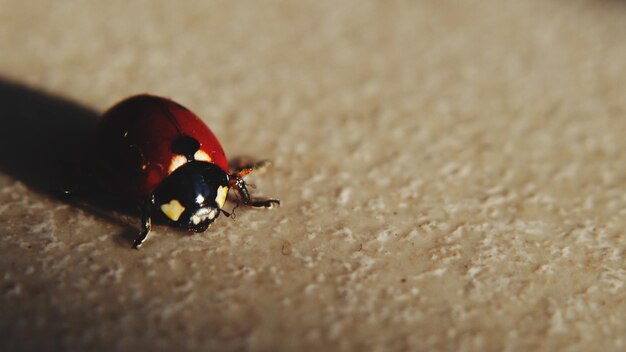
452 176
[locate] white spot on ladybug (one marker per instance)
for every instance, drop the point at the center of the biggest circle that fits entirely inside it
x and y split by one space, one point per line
177 161
201 155
220 198
199 199
203 214
173 209
195 219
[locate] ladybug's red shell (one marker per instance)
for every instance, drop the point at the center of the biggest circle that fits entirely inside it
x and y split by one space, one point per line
134 143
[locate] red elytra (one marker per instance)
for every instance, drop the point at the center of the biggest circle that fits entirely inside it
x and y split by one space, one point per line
134 142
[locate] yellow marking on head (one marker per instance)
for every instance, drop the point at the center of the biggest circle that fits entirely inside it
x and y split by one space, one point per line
177 161
173 209
201 155
220 199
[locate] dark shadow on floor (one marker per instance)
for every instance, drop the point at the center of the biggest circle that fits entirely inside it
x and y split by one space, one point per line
43 138
45 143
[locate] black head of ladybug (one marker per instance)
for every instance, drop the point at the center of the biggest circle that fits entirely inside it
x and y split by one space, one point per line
192 196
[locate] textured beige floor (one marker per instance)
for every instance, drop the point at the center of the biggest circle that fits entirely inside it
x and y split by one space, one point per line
453 176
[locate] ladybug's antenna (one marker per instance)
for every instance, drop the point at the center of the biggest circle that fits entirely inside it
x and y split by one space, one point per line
232 213
228 215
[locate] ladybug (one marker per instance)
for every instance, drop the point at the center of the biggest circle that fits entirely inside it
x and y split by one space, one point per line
161 154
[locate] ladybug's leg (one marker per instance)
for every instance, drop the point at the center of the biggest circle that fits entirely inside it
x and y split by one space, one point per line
241 164
240 185
146 223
